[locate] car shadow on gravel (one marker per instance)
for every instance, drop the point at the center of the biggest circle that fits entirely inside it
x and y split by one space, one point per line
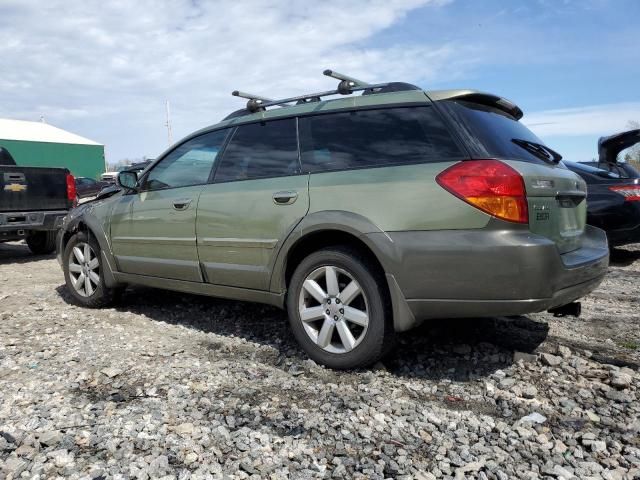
621 257
457 349
18 253
464 349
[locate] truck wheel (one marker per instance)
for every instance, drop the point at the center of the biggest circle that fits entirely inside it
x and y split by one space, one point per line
82 265
42 243
339 309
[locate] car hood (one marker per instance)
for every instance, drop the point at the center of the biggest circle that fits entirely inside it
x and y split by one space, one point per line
610 147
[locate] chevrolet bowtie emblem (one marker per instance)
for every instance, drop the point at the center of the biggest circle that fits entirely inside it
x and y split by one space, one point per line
15 187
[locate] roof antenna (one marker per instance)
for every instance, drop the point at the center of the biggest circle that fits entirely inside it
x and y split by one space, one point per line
346 82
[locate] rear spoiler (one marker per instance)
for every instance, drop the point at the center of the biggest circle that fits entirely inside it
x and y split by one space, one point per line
610 147
481 98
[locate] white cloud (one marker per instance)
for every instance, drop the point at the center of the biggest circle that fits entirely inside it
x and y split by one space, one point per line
104 69
589 120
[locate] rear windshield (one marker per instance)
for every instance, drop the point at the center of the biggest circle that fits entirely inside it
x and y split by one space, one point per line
589 168
490 132
622 170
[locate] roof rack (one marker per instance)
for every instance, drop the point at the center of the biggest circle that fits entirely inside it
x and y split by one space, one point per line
347 86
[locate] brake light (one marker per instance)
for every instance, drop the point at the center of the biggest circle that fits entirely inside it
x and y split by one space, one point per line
631 193
490 185
71 187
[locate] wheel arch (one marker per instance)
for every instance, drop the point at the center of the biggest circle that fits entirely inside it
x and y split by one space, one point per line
326 229
93 228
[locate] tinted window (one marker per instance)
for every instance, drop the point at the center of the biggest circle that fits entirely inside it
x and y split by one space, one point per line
189 164
590 169
490 131
268 149
365 138
623 170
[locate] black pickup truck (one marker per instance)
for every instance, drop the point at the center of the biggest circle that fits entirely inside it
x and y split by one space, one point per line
33 202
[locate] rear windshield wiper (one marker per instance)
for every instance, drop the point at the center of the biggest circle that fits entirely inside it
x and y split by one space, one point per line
541 151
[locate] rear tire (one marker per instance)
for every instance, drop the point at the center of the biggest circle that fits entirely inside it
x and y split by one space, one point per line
84 275
357 330
42 243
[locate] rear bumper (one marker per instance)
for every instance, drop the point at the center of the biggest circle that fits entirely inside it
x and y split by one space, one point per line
11 222
468 273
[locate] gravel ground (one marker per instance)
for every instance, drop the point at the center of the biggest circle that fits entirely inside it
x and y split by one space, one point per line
172 386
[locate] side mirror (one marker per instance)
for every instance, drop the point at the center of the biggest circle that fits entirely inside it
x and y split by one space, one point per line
128 180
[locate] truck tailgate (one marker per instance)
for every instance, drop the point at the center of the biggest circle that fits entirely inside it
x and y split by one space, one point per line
33 188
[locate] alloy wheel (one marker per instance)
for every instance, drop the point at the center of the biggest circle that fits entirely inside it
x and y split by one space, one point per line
84 269
333 309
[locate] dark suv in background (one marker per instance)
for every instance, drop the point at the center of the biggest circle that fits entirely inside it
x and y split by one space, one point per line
362 216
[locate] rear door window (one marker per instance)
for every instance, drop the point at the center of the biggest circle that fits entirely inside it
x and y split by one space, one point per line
368 138
261 150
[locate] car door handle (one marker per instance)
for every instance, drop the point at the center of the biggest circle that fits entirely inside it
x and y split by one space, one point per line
182 204
285 198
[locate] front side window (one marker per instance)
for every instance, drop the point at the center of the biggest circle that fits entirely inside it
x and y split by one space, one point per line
367 138
260 150
189 164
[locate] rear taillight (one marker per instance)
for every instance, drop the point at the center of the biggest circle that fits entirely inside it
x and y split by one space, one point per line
490 185
631 193
71 187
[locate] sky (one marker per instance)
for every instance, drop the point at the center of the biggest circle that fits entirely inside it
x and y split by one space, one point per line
104 70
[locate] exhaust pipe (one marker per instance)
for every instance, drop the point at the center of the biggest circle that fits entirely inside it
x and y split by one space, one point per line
573 309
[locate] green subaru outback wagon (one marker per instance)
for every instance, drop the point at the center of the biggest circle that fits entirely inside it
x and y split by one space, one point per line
362 215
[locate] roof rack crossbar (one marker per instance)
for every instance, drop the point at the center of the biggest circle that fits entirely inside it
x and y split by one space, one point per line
347 86
346 82
322 94
249 96
256 102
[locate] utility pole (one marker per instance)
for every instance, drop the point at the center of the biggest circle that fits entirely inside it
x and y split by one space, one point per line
168 124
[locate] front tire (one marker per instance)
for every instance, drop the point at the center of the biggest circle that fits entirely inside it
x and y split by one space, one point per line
339 309
42 243
83 273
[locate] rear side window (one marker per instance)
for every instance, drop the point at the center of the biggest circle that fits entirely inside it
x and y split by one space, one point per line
259 150
367 138
490 132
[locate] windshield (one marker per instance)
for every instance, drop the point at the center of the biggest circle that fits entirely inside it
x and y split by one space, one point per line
494 133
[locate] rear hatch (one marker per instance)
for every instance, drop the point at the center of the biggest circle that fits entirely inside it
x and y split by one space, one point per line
33 188
556 196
